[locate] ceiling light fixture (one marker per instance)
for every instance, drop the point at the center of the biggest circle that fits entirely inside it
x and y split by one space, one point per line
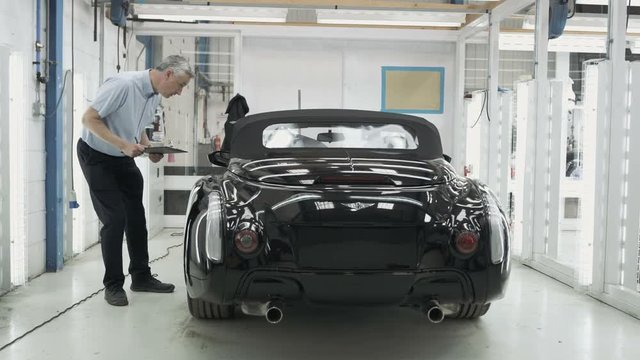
389 18
192 13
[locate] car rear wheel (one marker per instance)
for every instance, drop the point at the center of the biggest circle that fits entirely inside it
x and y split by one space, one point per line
471 311
207 310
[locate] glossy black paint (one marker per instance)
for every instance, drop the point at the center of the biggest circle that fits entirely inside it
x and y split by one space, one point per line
385 238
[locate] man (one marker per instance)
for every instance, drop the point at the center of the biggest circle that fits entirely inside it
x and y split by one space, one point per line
114 135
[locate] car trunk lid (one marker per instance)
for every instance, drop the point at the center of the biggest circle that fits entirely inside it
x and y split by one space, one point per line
344 171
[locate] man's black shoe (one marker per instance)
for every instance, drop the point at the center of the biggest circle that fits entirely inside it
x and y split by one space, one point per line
116 296
151 284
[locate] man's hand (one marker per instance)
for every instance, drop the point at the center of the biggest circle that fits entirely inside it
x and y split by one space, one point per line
133 150
155 157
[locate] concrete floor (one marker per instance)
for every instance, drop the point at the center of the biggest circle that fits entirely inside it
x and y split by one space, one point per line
539 318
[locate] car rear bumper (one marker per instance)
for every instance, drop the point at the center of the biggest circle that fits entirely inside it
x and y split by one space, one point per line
350 288
361 288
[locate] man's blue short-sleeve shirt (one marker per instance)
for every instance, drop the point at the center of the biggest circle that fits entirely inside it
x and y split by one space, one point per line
126 103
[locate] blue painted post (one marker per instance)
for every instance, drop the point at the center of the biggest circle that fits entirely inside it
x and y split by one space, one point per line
147 41
53 141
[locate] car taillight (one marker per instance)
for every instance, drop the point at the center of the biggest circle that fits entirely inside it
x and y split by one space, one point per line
246 241
466 243
215 227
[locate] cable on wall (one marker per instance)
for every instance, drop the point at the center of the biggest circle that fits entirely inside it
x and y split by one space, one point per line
484 103
118 50
64 86
95 20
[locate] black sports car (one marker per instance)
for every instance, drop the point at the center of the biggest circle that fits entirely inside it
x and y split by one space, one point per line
341 207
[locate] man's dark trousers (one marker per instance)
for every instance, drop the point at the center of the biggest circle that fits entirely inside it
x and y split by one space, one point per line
116 191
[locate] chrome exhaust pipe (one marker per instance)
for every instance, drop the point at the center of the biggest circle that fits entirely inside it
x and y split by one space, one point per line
274 312
271 310
434 312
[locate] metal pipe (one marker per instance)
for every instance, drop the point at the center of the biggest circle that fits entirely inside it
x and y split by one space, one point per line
274 312
271 310
434 312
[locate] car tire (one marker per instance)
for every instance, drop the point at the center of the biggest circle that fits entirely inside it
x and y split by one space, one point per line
471 311
201 309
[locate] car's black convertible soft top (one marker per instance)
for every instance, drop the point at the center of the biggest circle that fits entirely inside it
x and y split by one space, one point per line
341 207
247 135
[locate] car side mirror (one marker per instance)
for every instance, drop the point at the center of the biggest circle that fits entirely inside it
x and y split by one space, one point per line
220 158
330 137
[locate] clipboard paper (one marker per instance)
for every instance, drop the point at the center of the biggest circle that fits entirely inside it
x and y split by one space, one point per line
162 150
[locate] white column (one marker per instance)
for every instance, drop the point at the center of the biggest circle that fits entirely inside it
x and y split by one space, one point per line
562 65
540 172
504 169
5 178
616 117
557 161
458 158
459 119
493 156
526 163
632 179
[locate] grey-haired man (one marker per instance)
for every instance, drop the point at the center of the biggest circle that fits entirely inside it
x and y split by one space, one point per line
113 135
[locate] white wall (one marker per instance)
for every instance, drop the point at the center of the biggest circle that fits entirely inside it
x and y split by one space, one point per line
179 110
18 32
18 19
337 74
87 68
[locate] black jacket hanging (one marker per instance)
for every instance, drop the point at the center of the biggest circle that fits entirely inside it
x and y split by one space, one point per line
237 109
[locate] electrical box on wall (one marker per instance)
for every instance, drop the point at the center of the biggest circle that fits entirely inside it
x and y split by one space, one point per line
119 12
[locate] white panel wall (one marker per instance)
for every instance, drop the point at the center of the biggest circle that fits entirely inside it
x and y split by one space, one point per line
275 69
337 73
18 32
18 19
179 109
88 68
5 191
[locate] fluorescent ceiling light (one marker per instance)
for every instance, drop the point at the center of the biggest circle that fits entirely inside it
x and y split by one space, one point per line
385 22
207 52
193 18
192 13
397 18
566 43
605 2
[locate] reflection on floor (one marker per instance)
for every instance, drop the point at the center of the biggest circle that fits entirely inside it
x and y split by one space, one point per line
538 319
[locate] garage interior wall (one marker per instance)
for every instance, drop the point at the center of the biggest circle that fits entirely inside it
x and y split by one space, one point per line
331 73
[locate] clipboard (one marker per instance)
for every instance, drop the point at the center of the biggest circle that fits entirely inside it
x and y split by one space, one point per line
163 150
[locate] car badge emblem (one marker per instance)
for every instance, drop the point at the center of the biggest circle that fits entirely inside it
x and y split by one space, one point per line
357 205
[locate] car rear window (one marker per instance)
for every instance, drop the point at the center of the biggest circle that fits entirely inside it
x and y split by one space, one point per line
351 136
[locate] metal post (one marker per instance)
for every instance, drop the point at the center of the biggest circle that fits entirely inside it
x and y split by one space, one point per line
102 45
54 141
